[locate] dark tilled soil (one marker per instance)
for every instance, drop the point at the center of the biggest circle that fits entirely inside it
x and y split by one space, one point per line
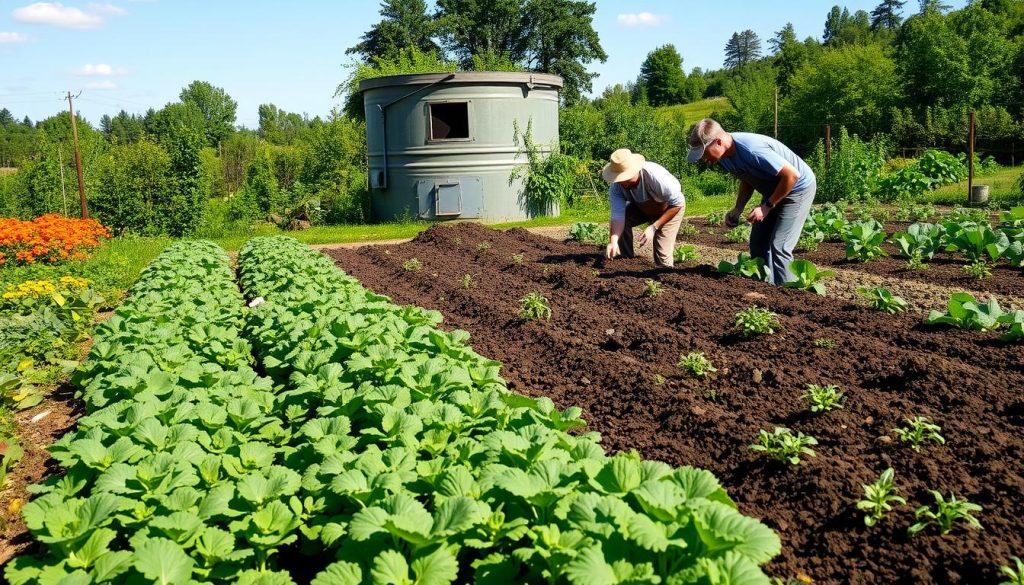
613 351
946 269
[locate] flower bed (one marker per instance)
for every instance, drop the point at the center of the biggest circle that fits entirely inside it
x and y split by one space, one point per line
49 239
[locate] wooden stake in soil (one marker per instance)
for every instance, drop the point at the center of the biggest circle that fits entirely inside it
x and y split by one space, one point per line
970 157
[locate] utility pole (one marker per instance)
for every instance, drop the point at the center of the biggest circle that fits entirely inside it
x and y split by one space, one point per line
776 136
78 157
970 156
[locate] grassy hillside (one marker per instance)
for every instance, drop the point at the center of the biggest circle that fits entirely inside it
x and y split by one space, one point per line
694 111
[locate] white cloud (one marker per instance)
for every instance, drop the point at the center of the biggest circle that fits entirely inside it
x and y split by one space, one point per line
56 14
641 19
12 37
104 85
107 9
90 70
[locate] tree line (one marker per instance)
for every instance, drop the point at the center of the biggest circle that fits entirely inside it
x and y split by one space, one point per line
875 72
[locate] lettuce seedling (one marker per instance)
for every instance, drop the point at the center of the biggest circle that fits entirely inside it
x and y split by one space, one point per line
757 321
883 300
946 513
696 363
535 307
782 445
739 234
965 312
978 269
978 241
412 265
652 288
1015 321
1015 576
823 398
808 277
918 430
864 240
745 267
879 498
685 253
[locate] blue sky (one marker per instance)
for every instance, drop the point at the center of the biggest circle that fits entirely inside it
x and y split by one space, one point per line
136 54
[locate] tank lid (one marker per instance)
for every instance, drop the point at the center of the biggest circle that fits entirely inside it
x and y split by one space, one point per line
478 77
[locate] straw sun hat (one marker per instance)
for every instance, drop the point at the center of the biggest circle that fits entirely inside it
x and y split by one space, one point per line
623 164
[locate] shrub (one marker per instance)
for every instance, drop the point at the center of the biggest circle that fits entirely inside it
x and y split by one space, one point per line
757 321
854 168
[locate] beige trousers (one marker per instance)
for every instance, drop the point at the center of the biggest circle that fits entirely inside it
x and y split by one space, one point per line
664 238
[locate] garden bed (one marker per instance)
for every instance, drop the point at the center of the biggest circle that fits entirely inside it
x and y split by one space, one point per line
946 269
612 350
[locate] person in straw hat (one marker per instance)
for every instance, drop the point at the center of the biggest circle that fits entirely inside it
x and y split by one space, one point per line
642 192
786 184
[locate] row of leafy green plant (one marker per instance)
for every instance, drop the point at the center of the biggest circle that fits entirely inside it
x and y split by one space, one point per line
427 469
168 477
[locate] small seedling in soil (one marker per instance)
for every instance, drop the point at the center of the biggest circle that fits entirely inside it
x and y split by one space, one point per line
685 253
387 252
457 241
879 499
756 321
825 343
978 269
916 262
945 514
412 265
782 445
659 380
467 281
535 307
595 273
807 244
483 246
823 398
687 230
716 217
919 430
738 234
696 363
712 394
653 288
517 259
1015 576
883 300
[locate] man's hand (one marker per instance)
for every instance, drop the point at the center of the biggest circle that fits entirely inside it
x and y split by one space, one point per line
758 213
647 236
612 250
732 218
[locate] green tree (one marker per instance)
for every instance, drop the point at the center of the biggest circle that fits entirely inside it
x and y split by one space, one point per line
752 96
789 54
216 106
855 86
184 144
548 36
278 126
334 168
742 48
934 7
662 74
887 15
135 189
124 128
405 23
834 22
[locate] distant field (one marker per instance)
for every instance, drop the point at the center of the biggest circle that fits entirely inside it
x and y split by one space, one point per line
694 111
8 170
1001 185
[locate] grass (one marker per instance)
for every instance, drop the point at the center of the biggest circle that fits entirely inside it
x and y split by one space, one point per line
1001 188
694 111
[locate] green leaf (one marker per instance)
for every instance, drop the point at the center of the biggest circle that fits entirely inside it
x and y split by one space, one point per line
111 565
458 514
722 528
390 568
163 562
620 475
339 573
590 568
438 568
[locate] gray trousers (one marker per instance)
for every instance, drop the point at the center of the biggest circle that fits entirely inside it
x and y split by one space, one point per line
774 238
664 239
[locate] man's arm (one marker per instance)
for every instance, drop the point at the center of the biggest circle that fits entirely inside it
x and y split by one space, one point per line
732 218
788 176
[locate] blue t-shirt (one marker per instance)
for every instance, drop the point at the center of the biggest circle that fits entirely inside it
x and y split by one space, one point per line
759 159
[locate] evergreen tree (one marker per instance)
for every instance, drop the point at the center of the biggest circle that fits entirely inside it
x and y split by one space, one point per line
782 37
742 48
887 15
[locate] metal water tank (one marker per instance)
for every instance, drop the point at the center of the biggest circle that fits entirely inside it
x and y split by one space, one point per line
442 145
